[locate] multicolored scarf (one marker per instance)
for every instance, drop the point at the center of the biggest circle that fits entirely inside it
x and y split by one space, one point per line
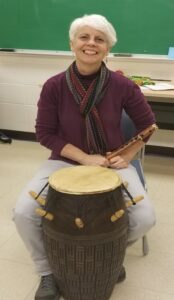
88 98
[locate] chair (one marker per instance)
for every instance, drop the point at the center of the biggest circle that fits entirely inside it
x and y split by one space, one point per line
129 130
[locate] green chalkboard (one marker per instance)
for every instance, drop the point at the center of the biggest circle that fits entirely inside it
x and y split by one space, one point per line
145 27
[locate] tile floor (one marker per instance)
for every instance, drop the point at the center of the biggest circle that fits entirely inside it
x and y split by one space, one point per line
148 278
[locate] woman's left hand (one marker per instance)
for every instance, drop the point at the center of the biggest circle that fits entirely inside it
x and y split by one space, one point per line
122 161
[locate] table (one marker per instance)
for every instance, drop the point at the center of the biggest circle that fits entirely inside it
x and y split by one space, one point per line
162 103
159 96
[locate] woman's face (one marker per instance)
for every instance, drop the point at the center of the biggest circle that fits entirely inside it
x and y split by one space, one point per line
90 47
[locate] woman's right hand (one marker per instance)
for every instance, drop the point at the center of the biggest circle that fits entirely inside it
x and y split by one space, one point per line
95 160
76 154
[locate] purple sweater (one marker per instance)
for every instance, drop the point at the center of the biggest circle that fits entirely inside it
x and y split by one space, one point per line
59 121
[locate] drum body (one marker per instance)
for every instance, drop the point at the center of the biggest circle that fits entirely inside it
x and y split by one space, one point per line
86 260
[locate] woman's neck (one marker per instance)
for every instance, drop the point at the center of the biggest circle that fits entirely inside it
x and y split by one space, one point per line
87 69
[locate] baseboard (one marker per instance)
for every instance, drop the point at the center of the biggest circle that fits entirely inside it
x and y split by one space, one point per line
20 135
165 151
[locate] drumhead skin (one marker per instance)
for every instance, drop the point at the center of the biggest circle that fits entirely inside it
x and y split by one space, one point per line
80 180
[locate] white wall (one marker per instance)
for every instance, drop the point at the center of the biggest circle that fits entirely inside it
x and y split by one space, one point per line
21 79
22 74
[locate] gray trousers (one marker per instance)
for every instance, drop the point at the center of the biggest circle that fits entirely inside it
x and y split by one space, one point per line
29 226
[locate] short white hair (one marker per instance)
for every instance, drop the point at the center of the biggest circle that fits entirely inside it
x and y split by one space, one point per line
97 22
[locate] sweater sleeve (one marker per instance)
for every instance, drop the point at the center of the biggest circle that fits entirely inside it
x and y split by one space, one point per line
47 121
137 107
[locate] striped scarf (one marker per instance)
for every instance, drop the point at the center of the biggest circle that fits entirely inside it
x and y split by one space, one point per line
87 98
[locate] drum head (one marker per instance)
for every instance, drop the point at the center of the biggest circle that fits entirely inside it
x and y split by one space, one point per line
84 180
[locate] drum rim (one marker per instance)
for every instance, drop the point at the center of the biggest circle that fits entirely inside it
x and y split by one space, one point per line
58 188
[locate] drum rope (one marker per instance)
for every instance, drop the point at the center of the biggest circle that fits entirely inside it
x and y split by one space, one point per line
37 196
128 194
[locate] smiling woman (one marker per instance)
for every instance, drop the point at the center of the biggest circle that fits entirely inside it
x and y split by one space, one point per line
79 120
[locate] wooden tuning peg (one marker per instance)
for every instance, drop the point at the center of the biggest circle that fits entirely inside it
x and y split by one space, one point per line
125 183
117 215
43 213
134 201
79 223
39 199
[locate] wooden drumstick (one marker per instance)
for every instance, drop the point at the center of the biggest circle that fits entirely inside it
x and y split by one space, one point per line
134 201
39 199
43 213
117 215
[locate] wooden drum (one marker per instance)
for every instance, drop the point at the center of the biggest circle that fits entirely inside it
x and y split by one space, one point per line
87 238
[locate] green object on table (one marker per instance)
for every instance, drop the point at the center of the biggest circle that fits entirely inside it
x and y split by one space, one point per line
141 80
